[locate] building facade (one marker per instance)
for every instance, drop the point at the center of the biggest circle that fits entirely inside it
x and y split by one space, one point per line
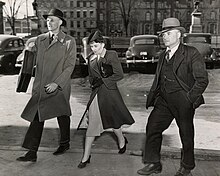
141 16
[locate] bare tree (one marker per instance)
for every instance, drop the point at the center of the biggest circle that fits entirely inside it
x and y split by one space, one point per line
11 12
125 8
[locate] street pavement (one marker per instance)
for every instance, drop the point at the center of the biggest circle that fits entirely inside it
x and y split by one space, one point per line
105 160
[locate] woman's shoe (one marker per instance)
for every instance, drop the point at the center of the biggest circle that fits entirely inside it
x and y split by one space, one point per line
83 164
123 149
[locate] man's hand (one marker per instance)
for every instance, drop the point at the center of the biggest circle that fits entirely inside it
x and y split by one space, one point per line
50 88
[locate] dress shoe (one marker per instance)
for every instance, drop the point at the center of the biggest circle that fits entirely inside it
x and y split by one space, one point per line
150 169
62 149
83 164
123 149
183 172
29 156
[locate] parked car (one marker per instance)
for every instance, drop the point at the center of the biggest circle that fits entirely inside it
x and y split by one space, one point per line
29 44
202 41
143 53
10 47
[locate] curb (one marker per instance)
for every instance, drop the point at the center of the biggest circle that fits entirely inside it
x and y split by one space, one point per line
166 152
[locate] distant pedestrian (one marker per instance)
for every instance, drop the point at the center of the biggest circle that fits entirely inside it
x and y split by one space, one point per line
106 108
55 60
180 80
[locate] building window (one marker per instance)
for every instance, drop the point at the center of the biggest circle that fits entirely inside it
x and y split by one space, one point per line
212 28
213 15
88 4
78 14
84 24
102 5
71 24
84 3
78 24
159 5
78 4
84 14
91 13
148 4
177 14
159 16
101 16
112 17
72 33
64 14
78 34
71 14
71 4
147 16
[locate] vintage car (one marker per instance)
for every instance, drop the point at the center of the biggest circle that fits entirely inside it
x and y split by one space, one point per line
29 44
202 41
10 47
143 52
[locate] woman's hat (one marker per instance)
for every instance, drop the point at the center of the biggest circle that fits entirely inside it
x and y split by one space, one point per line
57 13
95 36
170 24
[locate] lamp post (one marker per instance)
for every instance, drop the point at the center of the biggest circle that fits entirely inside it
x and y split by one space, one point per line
28 25
35 7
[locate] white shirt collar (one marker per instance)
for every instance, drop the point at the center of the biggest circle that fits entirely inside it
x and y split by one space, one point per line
173 50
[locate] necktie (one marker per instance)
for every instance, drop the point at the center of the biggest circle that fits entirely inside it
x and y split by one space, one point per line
51 38
167 55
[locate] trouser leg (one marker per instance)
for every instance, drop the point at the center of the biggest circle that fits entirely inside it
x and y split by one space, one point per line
34 133
184 120
158 121
64 125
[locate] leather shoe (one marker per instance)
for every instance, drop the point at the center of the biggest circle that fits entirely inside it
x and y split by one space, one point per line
29 156
123 149
150 169
183 172
62 149
83 164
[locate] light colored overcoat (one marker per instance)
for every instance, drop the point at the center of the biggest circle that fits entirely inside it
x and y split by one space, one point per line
54 63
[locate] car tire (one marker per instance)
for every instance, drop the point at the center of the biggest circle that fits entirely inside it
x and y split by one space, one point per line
8 64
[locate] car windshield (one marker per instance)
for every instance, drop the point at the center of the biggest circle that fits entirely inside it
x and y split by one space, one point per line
197 39
146 41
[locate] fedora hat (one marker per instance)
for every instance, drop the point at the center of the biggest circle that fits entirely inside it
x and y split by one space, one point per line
170 24
57 13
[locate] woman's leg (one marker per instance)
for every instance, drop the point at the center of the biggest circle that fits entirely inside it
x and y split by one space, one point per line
88 145
120 136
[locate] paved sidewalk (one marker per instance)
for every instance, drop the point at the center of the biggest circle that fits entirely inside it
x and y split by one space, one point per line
102 164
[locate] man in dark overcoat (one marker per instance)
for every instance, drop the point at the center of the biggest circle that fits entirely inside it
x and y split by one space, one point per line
55 54
180 80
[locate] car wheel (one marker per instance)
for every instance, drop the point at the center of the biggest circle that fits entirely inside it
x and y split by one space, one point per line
8 64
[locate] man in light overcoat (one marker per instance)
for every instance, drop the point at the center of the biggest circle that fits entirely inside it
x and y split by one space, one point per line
55 54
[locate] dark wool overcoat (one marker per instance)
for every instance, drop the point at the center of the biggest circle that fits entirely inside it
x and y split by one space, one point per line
113 110
54 63
190 72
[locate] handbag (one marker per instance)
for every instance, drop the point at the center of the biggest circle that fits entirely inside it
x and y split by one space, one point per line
106 70
26 71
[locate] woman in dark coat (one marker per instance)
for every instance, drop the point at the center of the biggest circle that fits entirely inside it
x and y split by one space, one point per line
106 108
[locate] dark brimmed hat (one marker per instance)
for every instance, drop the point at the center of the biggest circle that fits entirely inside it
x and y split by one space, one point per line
170 24
95 36
57 13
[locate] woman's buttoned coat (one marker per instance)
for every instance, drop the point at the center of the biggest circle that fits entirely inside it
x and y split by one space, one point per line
113 110
54 63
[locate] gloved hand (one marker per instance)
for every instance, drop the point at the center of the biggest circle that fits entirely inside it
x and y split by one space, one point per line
97 82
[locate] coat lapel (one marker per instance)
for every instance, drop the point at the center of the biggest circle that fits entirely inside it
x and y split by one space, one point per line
179 57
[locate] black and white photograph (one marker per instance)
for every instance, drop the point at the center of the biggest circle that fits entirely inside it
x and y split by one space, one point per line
110 87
